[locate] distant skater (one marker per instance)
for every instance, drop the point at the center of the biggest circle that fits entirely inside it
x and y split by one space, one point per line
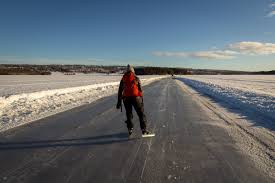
131 93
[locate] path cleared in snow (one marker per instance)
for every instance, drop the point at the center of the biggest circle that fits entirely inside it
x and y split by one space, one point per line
90 143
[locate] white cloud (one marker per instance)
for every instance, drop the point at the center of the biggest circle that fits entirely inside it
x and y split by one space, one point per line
169 54
272 11
217 54
271 14
230 51
212 55
253 48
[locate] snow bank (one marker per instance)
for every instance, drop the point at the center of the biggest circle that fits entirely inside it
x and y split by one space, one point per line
22 108
260 84
244 127
18 84
254 95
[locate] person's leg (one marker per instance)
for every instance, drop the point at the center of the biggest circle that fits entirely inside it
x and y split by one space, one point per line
128 107
138 105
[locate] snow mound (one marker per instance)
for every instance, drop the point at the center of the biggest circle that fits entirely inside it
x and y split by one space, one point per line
240 97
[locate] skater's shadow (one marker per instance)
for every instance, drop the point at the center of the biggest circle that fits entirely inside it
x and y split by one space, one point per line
85 141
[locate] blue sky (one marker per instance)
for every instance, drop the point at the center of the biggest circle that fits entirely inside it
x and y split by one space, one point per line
212 34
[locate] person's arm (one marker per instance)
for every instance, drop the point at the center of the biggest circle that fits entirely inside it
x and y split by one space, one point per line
119 96
138 84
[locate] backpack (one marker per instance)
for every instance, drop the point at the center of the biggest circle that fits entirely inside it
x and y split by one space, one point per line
130 85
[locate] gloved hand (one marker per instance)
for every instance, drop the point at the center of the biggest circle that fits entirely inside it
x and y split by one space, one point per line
118 105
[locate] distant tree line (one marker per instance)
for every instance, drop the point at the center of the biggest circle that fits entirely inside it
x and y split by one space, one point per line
265 72
160 71
22 71
29 69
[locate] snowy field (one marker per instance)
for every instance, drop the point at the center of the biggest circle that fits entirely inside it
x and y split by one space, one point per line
253 96
14 84
27 98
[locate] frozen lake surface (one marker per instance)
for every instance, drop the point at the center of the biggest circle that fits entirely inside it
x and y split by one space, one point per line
16 84
261 84
251 95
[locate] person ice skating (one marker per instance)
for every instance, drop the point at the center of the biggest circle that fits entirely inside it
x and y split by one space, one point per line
131 93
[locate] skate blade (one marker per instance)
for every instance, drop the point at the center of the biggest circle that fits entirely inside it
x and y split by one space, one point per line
149 135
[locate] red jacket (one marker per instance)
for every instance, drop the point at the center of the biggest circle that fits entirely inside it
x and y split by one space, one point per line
129 86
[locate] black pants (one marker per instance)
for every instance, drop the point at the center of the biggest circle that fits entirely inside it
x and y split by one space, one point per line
137 103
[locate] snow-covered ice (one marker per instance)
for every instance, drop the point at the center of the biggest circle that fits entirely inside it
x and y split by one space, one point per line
27 98
244 107
260 84
14 84
253 93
